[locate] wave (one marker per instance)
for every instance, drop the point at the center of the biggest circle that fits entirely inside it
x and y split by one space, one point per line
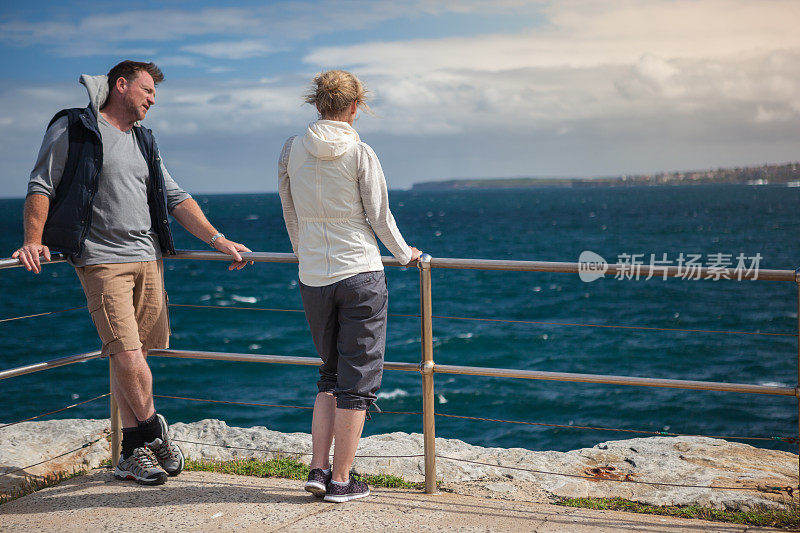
244 299
396 393
773 384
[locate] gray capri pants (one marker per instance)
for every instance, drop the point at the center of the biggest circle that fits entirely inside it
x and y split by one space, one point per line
348 326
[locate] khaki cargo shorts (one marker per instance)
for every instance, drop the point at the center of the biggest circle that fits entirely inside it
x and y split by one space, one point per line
128 305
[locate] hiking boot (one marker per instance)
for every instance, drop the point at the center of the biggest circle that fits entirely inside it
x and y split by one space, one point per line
318 481
168 455
338 493
141 466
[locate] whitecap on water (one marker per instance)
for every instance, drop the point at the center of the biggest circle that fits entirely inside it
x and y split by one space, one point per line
442 399
464 335
391 395
773 384
254 347
251 217
244 299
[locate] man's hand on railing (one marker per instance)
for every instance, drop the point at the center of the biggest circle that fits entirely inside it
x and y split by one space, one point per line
415 254
28 255
232 248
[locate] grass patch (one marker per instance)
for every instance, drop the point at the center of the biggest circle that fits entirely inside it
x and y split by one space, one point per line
787 518
32 484
389 481
289 469
277 467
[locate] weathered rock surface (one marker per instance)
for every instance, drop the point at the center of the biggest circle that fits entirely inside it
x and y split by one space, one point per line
662 460
29 443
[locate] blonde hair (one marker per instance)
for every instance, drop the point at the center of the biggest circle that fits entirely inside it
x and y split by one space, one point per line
332 92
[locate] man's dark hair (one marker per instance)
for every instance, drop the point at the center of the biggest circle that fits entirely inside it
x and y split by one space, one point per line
130 69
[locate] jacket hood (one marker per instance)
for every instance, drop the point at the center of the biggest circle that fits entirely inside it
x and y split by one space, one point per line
329 139
97 87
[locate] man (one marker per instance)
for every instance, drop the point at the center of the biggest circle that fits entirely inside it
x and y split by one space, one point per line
100 193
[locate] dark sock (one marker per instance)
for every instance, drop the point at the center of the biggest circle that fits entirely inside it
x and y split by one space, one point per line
150 429
131 439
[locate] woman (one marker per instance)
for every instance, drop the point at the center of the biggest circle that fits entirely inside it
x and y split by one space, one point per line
335 201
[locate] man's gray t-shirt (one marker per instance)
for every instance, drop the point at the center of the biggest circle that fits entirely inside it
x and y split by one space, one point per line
121 229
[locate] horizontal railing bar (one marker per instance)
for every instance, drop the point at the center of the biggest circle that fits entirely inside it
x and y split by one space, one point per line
258 257
56 257
264 358
613 269
497 372
615 380
441 369
46 365
489 264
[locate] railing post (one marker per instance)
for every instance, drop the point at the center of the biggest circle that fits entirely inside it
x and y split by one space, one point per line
426 369
797 390
116 422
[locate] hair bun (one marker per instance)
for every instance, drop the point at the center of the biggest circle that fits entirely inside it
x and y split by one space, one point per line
334 91
331 84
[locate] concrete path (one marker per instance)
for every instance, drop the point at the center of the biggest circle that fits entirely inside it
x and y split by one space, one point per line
202 501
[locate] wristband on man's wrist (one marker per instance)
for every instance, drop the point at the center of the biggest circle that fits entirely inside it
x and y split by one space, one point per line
214 239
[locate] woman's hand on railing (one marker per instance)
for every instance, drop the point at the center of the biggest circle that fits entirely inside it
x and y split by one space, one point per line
28 255
415 254
232 248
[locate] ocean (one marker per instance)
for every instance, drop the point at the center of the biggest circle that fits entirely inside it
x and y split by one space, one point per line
715 222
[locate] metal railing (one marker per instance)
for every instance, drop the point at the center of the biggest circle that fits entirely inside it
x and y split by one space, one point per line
427 367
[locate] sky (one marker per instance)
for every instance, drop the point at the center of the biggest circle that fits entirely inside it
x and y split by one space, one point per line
460 89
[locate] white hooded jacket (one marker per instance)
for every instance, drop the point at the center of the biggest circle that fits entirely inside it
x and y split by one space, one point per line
334 195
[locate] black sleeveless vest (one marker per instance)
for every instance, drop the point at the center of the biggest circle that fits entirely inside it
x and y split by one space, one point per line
70 215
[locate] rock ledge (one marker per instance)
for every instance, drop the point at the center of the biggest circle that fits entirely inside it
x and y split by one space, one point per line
664 460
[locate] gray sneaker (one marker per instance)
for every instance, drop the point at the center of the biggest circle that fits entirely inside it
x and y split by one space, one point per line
142 467
351 491
318 481
169 456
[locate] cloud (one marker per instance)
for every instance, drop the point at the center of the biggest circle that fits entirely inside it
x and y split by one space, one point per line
162 25
231 49
592 60
287 21
584 34
175 61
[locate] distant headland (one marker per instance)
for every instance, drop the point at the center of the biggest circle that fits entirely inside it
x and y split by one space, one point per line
785 174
